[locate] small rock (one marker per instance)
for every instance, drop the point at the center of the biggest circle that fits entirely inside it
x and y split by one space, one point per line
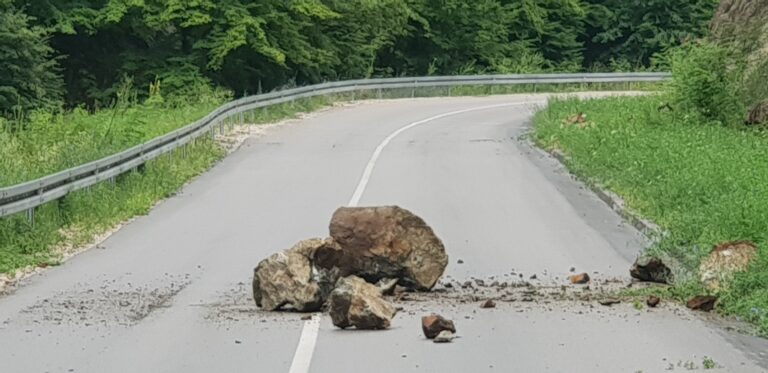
237 342
480 283
306 317
573 269
651 269
579 279
704 303
609 301
444 337
653 301
460 261
533 277
488 304
432 325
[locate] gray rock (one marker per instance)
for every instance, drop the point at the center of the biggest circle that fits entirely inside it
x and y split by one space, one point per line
357 303
287 278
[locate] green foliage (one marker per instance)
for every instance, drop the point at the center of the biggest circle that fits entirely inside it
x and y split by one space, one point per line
706 83
28 72
53 142
701 184
252 46
635 31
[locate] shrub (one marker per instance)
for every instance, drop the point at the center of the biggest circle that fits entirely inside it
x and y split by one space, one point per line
704 83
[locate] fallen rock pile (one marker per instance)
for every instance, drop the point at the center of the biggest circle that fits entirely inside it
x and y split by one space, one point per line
386 246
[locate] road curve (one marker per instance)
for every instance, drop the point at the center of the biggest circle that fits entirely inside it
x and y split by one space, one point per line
170 292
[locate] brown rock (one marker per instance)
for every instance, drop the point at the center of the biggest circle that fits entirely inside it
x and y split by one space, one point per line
357 303
653 301
384 242
651 269
582 278
488 304
434 324
704 303
286 278
758 114
724 261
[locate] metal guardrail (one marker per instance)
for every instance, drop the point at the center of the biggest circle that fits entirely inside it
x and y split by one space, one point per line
28 195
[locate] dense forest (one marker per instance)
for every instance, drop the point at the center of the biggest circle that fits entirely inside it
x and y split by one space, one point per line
67 53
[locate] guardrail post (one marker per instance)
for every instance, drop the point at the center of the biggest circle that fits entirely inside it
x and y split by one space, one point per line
378 93
449 91
413 90
31 216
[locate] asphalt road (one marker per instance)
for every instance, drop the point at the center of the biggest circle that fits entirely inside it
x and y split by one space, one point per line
170 292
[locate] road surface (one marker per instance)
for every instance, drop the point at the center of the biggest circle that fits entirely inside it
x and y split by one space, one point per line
170 292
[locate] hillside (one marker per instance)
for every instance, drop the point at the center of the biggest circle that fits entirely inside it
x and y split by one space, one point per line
743 26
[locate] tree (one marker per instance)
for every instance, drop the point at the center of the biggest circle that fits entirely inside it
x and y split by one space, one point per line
635 30
29 76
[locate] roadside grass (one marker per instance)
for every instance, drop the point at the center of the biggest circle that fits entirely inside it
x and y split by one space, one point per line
701 183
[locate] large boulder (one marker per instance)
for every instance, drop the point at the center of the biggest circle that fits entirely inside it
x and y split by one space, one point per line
357 303
384 242
651 269
288 278
724 261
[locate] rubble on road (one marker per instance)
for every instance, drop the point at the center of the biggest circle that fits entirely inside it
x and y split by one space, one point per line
704 303
432 325
724 261
384 242
357 303
651 269
579 279
388 246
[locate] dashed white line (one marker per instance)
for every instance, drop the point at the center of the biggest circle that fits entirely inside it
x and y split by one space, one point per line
306 348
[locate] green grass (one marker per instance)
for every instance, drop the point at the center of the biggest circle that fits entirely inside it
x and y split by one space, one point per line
702 184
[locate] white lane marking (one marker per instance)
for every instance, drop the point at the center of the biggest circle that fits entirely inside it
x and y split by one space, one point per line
306 348
375 157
